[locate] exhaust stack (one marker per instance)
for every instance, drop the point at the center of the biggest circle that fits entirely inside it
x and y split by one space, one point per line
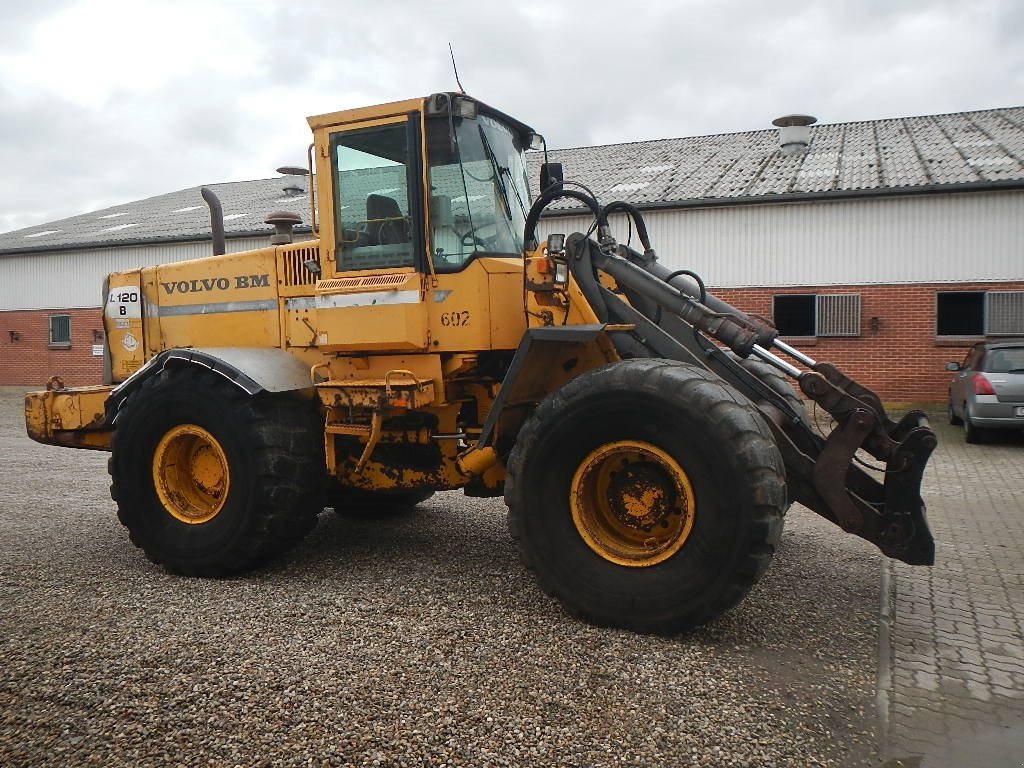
216 220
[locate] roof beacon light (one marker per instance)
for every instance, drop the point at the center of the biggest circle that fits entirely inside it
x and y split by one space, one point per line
794 132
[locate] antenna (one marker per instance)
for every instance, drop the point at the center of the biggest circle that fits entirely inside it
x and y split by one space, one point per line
456 69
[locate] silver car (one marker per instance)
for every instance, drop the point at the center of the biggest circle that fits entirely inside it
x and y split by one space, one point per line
987 391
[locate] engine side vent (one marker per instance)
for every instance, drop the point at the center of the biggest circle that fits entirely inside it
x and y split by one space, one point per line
368 282
293 273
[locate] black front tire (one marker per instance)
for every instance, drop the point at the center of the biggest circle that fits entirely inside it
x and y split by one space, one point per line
271 472
718 439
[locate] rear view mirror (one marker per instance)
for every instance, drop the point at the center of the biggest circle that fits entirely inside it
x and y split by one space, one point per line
551 176
952 366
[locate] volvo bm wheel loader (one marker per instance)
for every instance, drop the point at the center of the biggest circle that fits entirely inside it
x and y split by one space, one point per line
644 433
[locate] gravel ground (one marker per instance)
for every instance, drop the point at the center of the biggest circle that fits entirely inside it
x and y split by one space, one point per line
417 641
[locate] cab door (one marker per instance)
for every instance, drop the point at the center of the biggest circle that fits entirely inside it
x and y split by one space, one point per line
372 294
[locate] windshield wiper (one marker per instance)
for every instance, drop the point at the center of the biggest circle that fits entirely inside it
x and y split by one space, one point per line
498 171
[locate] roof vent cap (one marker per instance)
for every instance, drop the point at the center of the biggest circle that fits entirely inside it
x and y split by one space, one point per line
292 186
794 132
283 221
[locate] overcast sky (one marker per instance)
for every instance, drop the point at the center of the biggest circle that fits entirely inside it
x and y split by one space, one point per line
108 101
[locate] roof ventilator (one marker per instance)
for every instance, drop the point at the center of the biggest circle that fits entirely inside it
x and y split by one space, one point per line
283 222
292 186
794 133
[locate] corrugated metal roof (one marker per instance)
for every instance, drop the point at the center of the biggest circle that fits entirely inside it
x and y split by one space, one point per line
175 216
980 149
954 152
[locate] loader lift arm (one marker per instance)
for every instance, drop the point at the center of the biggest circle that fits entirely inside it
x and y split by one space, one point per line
673 317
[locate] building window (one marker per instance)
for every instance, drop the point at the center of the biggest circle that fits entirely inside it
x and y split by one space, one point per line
979 313
60 330
817 314
960 314
794 315
1004 313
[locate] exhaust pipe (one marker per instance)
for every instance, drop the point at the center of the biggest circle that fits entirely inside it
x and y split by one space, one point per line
216 220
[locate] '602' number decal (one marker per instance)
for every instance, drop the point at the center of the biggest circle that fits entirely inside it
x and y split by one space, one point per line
455 319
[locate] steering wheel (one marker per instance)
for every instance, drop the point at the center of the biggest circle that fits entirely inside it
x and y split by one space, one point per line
470 238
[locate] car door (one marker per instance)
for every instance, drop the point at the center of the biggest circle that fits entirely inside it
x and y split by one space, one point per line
959 388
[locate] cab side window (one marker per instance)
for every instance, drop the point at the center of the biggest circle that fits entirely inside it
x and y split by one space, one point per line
374 223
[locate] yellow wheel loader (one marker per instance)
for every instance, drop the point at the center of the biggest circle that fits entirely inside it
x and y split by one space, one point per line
646 436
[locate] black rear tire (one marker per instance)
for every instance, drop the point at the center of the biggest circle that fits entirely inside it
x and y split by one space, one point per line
357 502
955 420
973 434
714 435
270 472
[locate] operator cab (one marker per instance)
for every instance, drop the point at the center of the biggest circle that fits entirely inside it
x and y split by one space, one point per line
440 179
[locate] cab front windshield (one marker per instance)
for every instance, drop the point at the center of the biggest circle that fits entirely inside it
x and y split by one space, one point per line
479 192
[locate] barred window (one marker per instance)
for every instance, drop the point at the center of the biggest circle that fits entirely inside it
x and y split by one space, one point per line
835 314
979 313
60 330
838 314
1004 313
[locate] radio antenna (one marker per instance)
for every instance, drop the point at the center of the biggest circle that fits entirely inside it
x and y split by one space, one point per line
455 69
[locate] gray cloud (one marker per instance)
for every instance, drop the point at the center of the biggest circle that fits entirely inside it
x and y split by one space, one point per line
580 72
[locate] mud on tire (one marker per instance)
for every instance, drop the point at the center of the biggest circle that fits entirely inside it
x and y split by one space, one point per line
718 439
266 448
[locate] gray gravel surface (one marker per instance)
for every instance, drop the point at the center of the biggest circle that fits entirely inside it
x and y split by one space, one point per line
414 641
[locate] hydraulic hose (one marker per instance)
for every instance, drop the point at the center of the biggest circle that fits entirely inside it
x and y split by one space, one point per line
638 221
542 202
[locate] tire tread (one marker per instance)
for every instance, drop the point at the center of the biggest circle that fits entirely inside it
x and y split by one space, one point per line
741 428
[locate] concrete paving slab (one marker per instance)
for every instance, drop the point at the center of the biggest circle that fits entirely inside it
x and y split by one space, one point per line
953 694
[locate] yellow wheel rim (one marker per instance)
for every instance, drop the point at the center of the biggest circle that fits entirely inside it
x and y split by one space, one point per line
632 503
190 474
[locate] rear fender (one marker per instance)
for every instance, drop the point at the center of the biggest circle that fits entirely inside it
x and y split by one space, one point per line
251 369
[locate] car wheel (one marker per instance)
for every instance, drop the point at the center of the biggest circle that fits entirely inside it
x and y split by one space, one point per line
973 434
955 420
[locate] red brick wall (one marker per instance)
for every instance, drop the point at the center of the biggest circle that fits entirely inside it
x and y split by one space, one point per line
30 361
903 361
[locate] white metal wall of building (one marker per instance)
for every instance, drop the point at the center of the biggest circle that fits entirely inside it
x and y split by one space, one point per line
74 278
969 237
